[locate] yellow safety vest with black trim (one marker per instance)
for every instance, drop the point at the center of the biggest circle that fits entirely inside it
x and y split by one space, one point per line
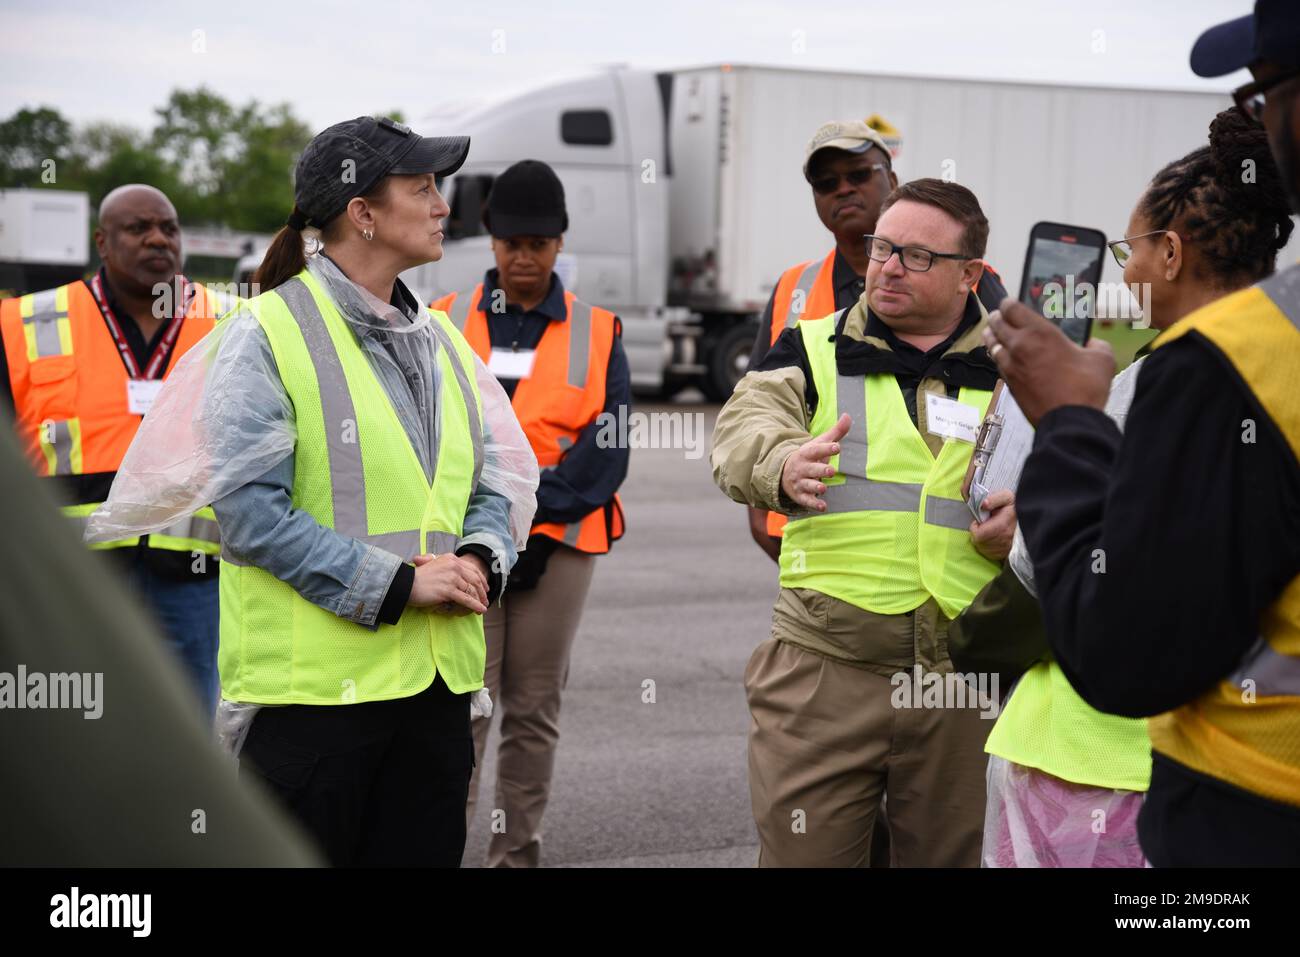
355 472
1246 730
896 530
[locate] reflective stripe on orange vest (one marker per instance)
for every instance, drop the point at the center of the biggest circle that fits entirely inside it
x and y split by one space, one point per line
564 394
69 384
805 291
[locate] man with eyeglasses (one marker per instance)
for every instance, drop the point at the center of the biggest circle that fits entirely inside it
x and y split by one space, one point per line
880 552
850 169
1195 622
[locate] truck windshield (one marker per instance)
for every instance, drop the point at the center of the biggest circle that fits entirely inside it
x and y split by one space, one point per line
467 199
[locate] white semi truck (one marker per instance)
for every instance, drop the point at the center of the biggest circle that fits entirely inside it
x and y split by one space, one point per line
686 197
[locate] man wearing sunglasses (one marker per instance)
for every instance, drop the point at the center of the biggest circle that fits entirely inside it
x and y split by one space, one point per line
850 170
879 554
1194 621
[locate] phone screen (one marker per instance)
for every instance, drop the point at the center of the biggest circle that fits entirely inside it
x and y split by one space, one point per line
1060 281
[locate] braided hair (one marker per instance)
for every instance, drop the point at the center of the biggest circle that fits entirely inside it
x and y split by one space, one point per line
1228 199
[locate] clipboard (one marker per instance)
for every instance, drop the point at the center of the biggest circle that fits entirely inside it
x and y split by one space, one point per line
1002 445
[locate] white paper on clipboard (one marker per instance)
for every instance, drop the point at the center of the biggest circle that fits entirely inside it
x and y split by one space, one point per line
1004 442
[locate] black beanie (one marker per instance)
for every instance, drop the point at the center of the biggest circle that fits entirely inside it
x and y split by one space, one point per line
526 200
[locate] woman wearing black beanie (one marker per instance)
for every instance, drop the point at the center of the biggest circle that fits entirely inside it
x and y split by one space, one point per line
562 362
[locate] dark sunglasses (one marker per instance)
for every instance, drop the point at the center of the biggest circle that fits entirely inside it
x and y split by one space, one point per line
830 182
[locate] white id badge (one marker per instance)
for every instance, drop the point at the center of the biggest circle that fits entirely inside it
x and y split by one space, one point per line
951 419
505 364
140 394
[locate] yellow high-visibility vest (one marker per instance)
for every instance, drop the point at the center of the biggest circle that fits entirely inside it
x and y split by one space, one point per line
355 472
896 530
1246 730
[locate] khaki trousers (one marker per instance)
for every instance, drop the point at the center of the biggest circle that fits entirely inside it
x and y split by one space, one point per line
528 641
826 741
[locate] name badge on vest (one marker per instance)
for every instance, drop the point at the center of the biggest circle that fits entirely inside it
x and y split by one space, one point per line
505 364
950 418
141 393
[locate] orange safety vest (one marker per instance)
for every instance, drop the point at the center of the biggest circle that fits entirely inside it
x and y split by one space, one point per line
808 285
70 384
564 394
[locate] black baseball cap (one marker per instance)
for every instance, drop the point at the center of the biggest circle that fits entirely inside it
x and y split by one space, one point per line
526 200
325 181
1271 33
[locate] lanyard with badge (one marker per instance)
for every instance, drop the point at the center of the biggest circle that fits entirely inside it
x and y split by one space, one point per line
142 388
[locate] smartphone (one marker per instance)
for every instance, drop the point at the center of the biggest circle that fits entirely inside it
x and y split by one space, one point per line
1062 270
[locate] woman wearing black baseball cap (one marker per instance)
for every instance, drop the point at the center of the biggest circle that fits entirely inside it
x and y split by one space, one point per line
372 487
562 362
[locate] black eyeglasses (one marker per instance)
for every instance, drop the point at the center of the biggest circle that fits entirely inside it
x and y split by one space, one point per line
1122 249
857 177
1250 98
913 258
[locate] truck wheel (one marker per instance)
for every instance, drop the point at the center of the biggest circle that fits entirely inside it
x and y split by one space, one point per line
728 361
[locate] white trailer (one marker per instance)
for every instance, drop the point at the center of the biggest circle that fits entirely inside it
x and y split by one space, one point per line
44 237
686 196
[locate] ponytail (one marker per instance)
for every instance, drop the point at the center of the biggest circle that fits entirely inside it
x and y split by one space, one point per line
285 258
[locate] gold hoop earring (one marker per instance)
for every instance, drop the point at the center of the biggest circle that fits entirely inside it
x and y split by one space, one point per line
367 234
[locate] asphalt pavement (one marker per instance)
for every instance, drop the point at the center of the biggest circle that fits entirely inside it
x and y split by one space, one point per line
680 601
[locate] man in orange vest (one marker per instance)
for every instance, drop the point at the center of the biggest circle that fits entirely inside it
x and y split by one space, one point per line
563 365
850 169
85 361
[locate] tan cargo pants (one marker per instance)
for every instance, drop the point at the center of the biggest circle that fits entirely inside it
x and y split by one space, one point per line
826 741
528 642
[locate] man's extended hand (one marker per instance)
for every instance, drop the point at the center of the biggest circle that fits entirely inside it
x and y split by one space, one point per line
806 466
992 537
1044 369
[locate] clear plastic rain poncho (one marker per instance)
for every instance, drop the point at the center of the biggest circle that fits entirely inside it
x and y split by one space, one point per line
223 419
1033 819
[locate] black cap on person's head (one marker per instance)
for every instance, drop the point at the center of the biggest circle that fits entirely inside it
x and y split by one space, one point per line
349 158
526 200
1271 33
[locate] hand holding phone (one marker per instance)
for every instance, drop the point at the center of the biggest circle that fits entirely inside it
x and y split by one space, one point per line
1062 269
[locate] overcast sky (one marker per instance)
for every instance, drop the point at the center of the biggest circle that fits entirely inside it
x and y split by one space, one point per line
331 60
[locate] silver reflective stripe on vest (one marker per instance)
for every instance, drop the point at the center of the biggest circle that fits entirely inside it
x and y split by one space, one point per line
1284 289
579 343
405 545
851 397
804 285
459 311
467 391
1272 672
866 495
347 474
443 543
948 513
45 317
59 437
194 527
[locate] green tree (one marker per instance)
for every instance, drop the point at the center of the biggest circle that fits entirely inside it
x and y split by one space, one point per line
107 155
236 162
220 164
31 138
